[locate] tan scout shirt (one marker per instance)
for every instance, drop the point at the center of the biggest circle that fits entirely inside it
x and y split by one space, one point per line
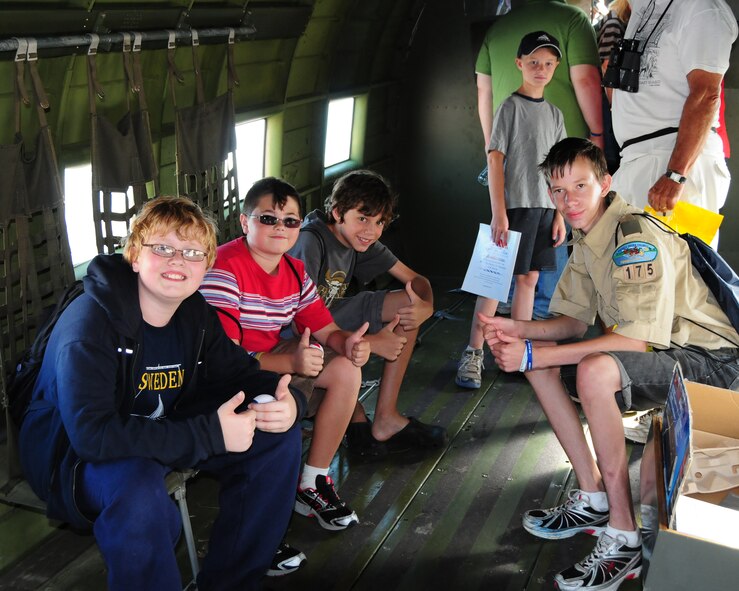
643 283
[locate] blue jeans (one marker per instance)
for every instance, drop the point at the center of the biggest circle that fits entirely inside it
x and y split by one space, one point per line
547 283
137 524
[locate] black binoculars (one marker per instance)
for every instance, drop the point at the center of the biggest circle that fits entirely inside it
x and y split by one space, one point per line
623 67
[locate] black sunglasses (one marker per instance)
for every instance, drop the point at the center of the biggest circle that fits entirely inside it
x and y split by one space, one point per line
271 220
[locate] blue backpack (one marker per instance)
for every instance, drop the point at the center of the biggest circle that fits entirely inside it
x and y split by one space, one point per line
22 379
717 274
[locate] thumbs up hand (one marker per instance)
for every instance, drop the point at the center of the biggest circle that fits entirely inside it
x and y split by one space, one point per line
307 360
387 343
356 347
417 310
279 415
237 428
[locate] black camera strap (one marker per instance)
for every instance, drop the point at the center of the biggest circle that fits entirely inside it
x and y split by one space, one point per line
664 12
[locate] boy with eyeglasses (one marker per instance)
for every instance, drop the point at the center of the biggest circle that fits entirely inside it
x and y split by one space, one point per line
524 128
257 284
343 244
639 279
139 378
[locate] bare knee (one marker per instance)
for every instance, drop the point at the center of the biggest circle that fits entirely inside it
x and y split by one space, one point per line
528 280
597 374
340 375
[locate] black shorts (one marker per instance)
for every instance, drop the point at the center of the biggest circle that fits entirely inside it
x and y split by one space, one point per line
536 251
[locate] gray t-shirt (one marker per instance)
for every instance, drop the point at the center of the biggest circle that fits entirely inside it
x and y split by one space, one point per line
331 265
524 130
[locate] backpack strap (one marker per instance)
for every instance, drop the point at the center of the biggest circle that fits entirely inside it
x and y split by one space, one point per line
321 244
236 321
630 224
297 277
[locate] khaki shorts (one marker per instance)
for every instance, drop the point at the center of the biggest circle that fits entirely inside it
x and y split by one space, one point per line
313 394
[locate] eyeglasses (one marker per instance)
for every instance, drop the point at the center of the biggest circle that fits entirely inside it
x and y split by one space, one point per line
271 220
165 250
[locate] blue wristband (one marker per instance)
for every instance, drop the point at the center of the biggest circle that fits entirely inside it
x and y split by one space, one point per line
529 355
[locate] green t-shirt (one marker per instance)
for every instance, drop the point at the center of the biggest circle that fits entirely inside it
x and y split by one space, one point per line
576 37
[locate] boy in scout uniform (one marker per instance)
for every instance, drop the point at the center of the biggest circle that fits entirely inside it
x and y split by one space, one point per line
638 278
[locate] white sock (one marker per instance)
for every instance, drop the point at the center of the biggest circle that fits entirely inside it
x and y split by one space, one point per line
633 538
598 500
308 479
469 348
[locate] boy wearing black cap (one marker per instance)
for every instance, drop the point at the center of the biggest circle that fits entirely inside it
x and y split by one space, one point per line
524 128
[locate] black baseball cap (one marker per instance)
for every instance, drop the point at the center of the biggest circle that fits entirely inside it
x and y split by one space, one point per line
536 40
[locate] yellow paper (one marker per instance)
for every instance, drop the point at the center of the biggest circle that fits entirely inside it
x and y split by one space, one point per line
692 219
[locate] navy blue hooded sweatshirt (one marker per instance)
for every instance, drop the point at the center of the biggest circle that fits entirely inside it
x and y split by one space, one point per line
82 400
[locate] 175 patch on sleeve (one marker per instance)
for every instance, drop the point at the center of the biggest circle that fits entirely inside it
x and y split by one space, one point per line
638 273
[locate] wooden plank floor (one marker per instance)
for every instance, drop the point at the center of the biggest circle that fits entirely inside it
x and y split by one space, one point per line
449 519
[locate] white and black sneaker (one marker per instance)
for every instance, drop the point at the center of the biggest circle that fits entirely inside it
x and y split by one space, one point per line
611 563
575 515
287 560
325 505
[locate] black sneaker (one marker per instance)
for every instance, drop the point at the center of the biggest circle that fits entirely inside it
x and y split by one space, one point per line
611 563
360 442
325 505
575 515
417 436
287 560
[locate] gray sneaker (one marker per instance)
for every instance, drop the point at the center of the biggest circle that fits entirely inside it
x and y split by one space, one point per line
637 423
469 372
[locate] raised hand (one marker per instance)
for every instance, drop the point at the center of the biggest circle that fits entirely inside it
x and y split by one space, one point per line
237 428
356 347
277 416
418 310
307 360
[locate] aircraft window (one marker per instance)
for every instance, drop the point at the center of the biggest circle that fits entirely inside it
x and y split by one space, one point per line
250 142
78 212
339 131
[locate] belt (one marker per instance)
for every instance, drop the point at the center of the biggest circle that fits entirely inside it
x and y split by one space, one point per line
654 134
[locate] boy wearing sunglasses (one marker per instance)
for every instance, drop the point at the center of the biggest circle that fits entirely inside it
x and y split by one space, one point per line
254 281
343 244
139 378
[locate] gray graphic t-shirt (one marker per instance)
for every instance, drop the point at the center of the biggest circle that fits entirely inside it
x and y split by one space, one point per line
331 265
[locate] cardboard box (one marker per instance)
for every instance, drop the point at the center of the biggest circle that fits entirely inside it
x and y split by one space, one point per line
714 462
696 545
